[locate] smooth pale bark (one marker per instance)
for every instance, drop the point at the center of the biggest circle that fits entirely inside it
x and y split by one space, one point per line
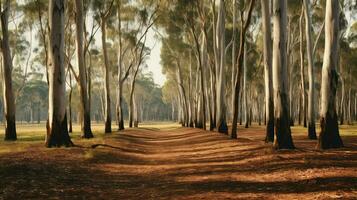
290 64
221 122
234 49
119 106
84 100
283 139
8 94
269 102
213 98
131 97
212 71
107 103
342 103
184 110
135 112
201 53
310 61
190 101
240 58
302 68
329 136
133 81
70 130
57 130
245 95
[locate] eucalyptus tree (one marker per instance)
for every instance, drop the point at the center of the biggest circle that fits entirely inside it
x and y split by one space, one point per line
240 59
269 101
283 139
310 61
329 136
57 130
200 49
79 20
103 11
9 101
219 46
302 67
139 60
35 12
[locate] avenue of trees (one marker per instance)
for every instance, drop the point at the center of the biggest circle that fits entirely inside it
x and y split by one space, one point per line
227 62
278 63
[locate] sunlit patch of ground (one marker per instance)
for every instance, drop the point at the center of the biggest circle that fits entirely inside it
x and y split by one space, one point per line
165 161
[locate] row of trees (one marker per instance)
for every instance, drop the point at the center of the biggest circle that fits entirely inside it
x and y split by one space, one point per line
210 78
223 78
120 51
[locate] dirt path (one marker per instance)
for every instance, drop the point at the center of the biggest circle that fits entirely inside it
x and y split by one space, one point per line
180 164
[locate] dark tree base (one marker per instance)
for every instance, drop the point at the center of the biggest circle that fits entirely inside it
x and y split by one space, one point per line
70 130
329 136
283 139
199 125
234 135
10 130
108 126
269 138
87 132
121 125
292 123
223 128
246 125
58 136
312 132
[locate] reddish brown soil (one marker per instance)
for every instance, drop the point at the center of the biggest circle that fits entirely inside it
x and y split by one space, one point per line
181 164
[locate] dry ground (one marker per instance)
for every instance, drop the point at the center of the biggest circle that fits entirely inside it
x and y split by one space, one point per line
176 163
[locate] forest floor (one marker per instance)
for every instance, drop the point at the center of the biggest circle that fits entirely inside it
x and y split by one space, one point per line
170 162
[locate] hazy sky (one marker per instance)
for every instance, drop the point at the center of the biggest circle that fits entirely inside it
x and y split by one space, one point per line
153 61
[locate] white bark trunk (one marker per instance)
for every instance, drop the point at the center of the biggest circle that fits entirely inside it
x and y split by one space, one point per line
329 136
269 103
87 132
221 123
107 103
310 61
283 138
57 130
9 100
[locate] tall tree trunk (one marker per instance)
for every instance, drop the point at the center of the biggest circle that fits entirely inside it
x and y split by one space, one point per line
269 102
342 103
132 87
38 112
184 114
70 103
234 49
310 61
8 95
329 136
221 123
87 132
240 58
213 98
283 139
108 116
302 68
131 103
190 109
245 95
119 108
57 130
